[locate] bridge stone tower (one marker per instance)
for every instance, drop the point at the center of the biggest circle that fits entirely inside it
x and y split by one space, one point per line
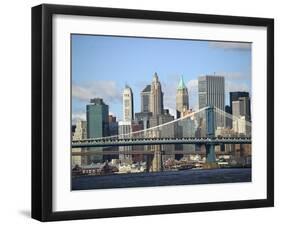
210 132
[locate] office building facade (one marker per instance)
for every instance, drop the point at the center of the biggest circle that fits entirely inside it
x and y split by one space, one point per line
242 107
128 104
97 126
145 99
124 131
80 133
211 92
156 97
234 96
97 118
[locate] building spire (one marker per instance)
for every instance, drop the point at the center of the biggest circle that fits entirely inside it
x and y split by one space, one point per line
155 77
181 84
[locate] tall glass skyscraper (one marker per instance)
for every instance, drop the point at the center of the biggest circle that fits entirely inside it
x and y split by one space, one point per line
97 119
97 126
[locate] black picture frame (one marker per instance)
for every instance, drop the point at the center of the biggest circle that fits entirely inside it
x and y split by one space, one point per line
42 111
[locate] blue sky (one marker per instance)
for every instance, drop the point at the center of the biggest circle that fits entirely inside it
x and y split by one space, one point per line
102 65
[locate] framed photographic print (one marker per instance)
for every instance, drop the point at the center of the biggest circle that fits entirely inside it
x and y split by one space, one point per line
146 112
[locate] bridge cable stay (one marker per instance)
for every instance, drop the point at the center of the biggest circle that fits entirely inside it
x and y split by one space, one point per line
230 116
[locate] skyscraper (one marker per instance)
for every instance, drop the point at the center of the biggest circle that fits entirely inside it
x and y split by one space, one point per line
234 96
124 131
80 130
241 107
145 99
211 92
236 108
156 98
113 131
97 125
228 120
79 134
113 125
182 103
245 107
242 112
125 126
128 104
97 118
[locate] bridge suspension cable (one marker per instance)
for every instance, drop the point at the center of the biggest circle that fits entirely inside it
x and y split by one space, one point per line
151 128
168 127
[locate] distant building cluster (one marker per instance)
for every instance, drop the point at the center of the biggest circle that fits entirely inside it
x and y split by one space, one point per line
211 92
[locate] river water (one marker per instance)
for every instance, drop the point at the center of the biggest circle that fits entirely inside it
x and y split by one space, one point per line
185 177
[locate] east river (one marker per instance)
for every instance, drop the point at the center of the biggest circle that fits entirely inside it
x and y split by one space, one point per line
185 177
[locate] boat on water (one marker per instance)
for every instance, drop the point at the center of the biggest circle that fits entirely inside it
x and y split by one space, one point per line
132 168
185 167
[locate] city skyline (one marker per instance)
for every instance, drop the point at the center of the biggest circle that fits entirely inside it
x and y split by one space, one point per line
159 106
92 80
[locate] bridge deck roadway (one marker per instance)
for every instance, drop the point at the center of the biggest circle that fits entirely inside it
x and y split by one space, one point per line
138 152
151 141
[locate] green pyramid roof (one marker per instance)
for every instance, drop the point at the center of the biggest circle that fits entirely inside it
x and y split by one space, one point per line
181 84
